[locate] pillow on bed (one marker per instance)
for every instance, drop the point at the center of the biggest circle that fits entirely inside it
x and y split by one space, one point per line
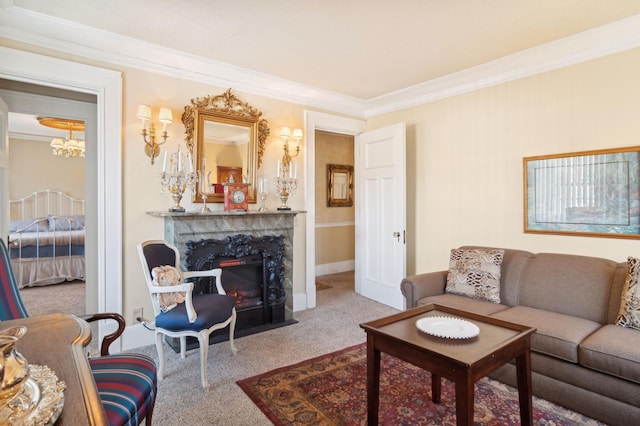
41 226
66 223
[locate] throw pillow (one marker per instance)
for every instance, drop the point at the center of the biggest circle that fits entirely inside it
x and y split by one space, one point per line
167 276
40 224
475 273
629 314
66 223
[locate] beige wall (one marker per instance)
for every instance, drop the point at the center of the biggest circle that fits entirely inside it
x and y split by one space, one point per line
33 168
335 241
464 156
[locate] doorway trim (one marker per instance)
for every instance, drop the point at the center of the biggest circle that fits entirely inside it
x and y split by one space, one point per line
330 123
106 85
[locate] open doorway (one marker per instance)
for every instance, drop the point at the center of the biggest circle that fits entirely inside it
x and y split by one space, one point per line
50 282
335 221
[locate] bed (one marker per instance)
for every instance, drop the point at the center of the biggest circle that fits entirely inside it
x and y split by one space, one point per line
46 238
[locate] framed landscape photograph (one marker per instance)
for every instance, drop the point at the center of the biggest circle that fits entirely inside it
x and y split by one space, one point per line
591 193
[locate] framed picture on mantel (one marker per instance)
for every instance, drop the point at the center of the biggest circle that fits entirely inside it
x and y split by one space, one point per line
591 193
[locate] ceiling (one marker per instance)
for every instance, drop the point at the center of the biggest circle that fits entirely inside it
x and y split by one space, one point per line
352 54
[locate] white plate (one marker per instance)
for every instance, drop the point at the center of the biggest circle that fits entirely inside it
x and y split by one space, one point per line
448 327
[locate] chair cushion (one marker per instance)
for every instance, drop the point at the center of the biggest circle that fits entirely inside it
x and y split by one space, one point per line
127 384
629 315
475 273
211 309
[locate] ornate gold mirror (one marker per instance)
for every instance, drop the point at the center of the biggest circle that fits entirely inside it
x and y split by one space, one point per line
226 137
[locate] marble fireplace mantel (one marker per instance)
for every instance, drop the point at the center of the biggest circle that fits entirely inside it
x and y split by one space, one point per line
181 227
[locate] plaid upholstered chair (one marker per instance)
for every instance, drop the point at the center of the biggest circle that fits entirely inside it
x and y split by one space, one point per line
127 383
199 315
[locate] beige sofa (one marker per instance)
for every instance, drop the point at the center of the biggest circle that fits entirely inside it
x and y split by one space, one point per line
580 359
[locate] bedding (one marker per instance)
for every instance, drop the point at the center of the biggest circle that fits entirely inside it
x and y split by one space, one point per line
49 248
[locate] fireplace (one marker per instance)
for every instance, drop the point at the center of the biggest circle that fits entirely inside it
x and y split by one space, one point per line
252 272
230 237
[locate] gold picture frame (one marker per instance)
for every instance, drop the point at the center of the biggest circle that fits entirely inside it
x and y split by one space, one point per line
590 193
339 185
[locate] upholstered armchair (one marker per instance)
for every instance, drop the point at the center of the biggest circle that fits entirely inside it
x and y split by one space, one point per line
198 316
126 383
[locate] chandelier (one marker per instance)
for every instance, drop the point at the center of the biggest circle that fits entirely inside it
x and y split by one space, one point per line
69 146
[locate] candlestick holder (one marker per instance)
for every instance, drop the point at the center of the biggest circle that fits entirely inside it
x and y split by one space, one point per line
263 191
205 185
177 179
285 187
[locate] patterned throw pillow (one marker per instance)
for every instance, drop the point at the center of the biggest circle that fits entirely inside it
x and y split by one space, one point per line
475 273
629 314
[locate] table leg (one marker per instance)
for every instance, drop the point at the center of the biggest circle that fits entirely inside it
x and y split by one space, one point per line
525 391
373 381
435 388
464 401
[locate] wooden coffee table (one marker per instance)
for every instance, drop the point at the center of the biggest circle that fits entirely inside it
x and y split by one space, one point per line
464 361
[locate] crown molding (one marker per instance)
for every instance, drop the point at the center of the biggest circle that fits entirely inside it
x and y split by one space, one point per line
581 47
44 31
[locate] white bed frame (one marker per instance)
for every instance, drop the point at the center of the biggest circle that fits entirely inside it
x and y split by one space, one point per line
39 271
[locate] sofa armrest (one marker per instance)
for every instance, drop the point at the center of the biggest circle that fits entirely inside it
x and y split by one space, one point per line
416 287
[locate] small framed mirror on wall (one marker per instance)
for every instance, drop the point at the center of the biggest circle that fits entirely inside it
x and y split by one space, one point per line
226 137
339 185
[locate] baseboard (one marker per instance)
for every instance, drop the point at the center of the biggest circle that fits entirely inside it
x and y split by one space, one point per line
137 335
334 268
299 302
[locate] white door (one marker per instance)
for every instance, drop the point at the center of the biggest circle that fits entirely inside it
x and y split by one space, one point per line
380 198
4 171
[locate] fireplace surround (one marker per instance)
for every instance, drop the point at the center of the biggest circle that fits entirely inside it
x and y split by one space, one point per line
232 240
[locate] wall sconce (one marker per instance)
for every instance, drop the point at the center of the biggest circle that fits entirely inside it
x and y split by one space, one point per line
151 148
287 174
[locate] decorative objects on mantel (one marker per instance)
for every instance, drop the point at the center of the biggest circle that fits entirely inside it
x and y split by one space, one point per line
287 173
177 179
152 148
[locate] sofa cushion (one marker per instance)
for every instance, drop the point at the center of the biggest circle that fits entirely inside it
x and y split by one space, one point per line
475 273
464 303
613 350
629 315
556 334
572 285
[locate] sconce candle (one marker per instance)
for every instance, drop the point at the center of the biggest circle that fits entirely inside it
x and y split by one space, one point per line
152 148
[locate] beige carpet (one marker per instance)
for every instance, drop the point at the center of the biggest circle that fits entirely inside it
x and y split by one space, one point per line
67 298
331 326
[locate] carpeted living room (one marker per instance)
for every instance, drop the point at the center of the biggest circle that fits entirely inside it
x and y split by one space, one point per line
311 372
471 164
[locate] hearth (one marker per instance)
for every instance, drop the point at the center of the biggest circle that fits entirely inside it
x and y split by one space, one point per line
252 271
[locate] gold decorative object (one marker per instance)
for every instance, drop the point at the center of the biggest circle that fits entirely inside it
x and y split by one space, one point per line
14 369
224 133
178 177
287 174
229 105
40 402
151 147
69 147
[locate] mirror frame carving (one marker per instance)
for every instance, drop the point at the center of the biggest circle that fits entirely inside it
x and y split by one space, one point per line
225 108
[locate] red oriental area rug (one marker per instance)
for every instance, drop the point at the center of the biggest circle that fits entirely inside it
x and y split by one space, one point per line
332 390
